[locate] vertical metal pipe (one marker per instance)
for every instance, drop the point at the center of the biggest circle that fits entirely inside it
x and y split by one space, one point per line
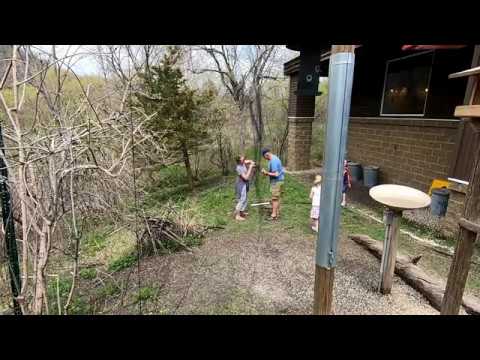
9 230
340 79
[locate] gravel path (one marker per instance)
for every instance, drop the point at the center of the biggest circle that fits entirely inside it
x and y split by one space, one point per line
235 274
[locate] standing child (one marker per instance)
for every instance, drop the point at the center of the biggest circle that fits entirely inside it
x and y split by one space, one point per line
347 182
315 197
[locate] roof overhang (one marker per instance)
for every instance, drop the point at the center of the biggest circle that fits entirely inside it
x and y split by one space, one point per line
310 48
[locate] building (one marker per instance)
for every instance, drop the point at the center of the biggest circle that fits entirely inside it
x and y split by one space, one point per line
402 119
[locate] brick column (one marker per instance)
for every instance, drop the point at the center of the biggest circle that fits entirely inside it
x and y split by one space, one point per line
301 111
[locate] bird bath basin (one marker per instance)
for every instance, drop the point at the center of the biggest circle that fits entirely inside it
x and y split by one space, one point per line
399 197
396 198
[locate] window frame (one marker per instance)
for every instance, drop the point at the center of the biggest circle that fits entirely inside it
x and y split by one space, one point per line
388 62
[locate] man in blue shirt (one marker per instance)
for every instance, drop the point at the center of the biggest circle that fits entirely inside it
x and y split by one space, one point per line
276 173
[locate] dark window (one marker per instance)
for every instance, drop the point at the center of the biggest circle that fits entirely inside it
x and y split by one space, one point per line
406 85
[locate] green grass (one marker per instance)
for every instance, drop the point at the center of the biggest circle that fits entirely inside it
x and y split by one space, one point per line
88 274
110 288
94 242
353 223
122 262
237 302
318 138
215 206
146 293
78 305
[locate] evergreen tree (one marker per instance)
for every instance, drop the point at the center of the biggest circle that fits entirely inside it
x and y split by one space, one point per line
179 112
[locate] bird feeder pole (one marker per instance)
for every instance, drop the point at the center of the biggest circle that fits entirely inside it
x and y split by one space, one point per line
340 79
9 230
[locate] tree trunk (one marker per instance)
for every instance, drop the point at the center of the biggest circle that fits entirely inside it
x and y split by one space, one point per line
257 128
243 124
188 166
40 281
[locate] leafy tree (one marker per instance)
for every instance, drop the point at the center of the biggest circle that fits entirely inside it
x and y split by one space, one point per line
176 111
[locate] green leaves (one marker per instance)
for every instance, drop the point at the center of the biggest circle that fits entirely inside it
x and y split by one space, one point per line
181 112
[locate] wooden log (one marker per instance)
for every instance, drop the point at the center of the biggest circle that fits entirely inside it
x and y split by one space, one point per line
433 289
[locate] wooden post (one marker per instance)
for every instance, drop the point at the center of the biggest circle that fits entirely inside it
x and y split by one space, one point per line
470 223
338 111
460 267
323 291
389 250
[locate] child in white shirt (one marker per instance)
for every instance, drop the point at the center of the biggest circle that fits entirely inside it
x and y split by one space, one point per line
315 197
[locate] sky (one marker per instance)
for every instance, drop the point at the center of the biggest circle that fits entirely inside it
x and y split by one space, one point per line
84 63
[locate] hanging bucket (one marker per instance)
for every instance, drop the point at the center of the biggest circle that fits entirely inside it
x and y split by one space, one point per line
355 171
370 176
439 202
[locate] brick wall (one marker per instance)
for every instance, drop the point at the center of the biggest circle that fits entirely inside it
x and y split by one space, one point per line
409 152
301 111
299 144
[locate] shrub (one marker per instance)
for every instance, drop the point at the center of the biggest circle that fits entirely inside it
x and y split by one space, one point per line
123 262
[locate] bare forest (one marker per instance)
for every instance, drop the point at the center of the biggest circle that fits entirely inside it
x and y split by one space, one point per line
95 164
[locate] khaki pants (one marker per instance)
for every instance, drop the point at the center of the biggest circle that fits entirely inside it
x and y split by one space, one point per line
276 190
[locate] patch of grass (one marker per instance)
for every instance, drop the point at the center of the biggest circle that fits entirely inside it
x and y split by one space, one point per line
215 206
94 242
64 284
122 262
88 274
78 305
237 302
318 138
192 241
426 232
110 288
146 293
353 223
118 245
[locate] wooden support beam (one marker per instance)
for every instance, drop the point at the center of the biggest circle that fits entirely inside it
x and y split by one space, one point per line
323 291
467 111
324 274
460 267
389 251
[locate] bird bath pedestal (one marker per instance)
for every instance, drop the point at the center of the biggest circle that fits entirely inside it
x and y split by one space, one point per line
396 198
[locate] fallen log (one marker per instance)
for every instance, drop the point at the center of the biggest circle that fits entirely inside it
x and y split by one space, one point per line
430 287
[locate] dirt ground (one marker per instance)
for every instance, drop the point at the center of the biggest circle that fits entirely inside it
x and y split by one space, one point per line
268 274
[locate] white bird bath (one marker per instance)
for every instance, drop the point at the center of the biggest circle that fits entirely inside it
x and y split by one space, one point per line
396 198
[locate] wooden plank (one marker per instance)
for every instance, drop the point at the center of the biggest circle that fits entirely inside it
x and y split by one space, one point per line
458 274
469 225
460 267
467 111
463 162
468 72
323 291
